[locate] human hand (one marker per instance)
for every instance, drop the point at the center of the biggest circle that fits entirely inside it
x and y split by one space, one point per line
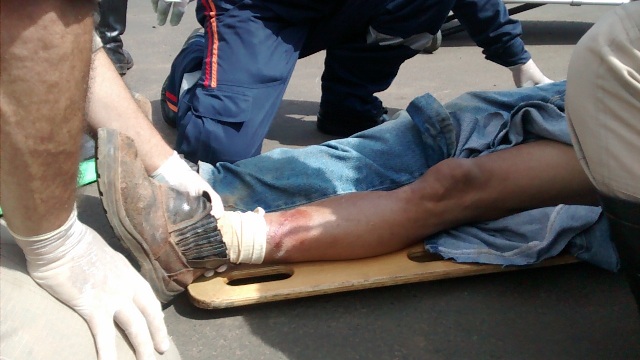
163 7
176 173
528 74
75 265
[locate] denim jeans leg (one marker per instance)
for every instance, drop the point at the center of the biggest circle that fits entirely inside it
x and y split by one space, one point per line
382 158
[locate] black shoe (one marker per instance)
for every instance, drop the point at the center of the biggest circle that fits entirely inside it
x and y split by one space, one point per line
345 124
120 58
111 23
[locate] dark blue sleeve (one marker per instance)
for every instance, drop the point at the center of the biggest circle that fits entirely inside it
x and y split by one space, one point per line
489 25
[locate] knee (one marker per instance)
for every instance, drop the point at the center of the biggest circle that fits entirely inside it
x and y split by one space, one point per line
455 175
448 179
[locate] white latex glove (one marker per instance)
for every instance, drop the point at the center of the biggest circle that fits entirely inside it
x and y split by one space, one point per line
163 7
75 265
176 173
528 74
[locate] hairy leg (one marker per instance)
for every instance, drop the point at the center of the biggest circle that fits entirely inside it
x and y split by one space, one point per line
110 104
46 51
452 193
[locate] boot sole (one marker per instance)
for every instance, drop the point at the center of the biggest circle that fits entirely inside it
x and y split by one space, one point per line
108 186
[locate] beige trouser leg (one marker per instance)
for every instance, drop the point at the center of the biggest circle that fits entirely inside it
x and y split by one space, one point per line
603 102
37 326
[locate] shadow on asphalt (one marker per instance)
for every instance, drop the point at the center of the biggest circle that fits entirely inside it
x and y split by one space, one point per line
294 124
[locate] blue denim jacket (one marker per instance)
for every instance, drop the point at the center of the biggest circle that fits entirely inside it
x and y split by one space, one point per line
398 152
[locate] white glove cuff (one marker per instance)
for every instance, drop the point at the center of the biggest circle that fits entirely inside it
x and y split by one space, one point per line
173 165
54 245
53 234
528 74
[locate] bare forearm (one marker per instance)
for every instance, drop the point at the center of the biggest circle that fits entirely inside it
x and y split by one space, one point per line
111 105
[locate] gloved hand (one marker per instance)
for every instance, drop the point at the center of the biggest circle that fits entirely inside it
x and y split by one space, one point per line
75 265
163 7
528 74
176 173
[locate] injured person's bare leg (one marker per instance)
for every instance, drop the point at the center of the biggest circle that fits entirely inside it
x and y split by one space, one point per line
452 193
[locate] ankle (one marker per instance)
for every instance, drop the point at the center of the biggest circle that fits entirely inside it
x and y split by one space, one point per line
245 235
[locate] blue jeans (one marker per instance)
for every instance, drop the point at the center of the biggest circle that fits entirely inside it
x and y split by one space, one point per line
398 152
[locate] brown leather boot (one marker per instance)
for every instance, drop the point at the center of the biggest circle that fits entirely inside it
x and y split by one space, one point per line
171 234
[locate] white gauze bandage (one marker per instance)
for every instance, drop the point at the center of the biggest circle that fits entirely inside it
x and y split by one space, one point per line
245 235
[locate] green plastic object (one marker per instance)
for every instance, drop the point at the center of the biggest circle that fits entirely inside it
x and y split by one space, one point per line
86 173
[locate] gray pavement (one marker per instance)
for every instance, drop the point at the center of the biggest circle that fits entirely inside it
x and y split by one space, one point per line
566 312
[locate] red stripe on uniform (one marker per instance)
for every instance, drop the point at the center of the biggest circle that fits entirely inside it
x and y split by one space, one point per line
171 97
211 61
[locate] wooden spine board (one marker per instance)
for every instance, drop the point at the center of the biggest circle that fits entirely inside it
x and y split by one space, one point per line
299 280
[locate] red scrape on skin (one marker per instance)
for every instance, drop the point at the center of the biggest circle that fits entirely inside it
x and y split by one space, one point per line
285 225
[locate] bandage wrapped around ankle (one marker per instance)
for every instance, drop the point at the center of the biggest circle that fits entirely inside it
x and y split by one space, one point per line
528 74
245 235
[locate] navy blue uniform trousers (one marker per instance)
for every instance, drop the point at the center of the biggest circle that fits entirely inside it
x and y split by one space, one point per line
249 49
